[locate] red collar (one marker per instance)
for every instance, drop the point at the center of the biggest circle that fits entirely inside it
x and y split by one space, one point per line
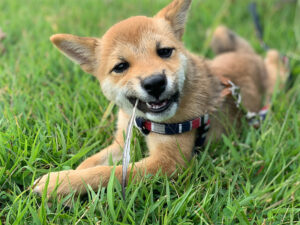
147 126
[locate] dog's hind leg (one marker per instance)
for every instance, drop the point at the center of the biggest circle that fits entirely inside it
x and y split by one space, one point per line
225 40
276 70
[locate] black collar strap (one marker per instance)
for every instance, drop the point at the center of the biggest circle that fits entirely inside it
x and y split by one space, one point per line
146 126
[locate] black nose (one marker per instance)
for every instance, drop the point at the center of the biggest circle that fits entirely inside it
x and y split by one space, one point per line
155 85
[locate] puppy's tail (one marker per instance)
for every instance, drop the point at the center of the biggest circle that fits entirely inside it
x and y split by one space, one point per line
225 40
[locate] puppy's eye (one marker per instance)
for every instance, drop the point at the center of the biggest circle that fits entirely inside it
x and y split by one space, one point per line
165 52
121 67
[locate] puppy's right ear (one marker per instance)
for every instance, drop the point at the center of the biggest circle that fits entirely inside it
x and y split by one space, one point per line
81 50
176 14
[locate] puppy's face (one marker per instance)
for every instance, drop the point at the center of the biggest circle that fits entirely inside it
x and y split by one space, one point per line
139 58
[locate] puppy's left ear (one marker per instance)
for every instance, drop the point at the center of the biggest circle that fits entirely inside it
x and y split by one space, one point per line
176 14
81 50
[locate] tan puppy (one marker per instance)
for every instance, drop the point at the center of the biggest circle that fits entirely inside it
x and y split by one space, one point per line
143 58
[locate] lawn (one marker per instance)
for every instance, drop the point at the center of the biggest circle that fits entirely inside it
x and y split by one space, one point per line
51 119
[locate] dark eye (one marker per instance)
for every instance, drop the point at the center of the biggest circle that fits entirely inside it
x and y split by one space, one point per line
121 67
165 52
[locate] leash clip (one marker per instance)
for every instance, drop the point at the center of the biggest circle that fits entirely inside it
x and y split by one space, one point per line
236 93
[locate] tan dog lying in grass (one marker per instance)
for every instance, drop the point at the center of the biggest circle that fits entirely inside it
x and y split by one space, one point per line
143 58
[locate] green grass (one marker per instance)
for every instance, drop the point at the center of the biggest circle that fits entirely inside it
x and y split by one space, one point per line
50 120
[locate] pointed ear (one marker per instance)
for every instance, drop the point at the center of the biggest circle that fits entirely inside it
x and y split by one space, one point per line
176 14
81 50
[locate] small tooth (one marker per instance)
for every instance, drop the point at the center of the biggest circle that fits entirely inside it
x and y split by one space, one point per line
156 106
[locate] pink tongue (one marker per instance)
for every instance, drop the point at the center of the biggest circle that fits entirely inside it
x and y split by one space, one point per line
159 104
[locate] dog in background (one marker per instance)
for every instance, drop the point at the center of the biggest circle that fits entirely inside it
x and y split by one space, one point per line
144 59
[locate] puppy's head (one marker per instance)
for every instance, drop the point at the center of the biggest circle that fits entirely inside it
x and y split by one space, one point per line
139 58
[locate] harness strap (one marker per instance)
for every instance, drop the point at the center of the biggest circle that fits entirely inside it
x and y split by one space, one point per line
254 119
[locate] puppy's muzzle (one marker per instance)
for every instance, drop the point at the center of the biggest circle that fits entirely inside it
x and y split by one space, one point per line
155 85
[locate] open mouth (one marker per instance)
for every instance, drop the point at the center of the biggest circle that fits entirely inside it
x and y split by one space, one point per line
156 106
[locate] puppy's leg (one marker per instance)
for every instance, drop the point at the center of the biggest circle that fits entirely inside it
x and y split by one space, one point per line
165 154
114 151
275 70
225 40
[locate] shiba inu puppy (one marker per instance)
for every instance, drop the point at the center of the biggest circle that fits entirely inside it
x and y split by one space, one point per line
143 59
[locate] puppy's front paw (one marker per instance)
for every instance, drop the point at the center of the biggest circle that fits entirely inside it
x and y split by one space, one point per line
62 182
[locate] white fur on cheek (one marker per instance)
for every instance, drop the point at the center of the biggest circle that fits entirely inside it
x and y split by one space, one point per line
176 81
181 72
109 89
115 93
